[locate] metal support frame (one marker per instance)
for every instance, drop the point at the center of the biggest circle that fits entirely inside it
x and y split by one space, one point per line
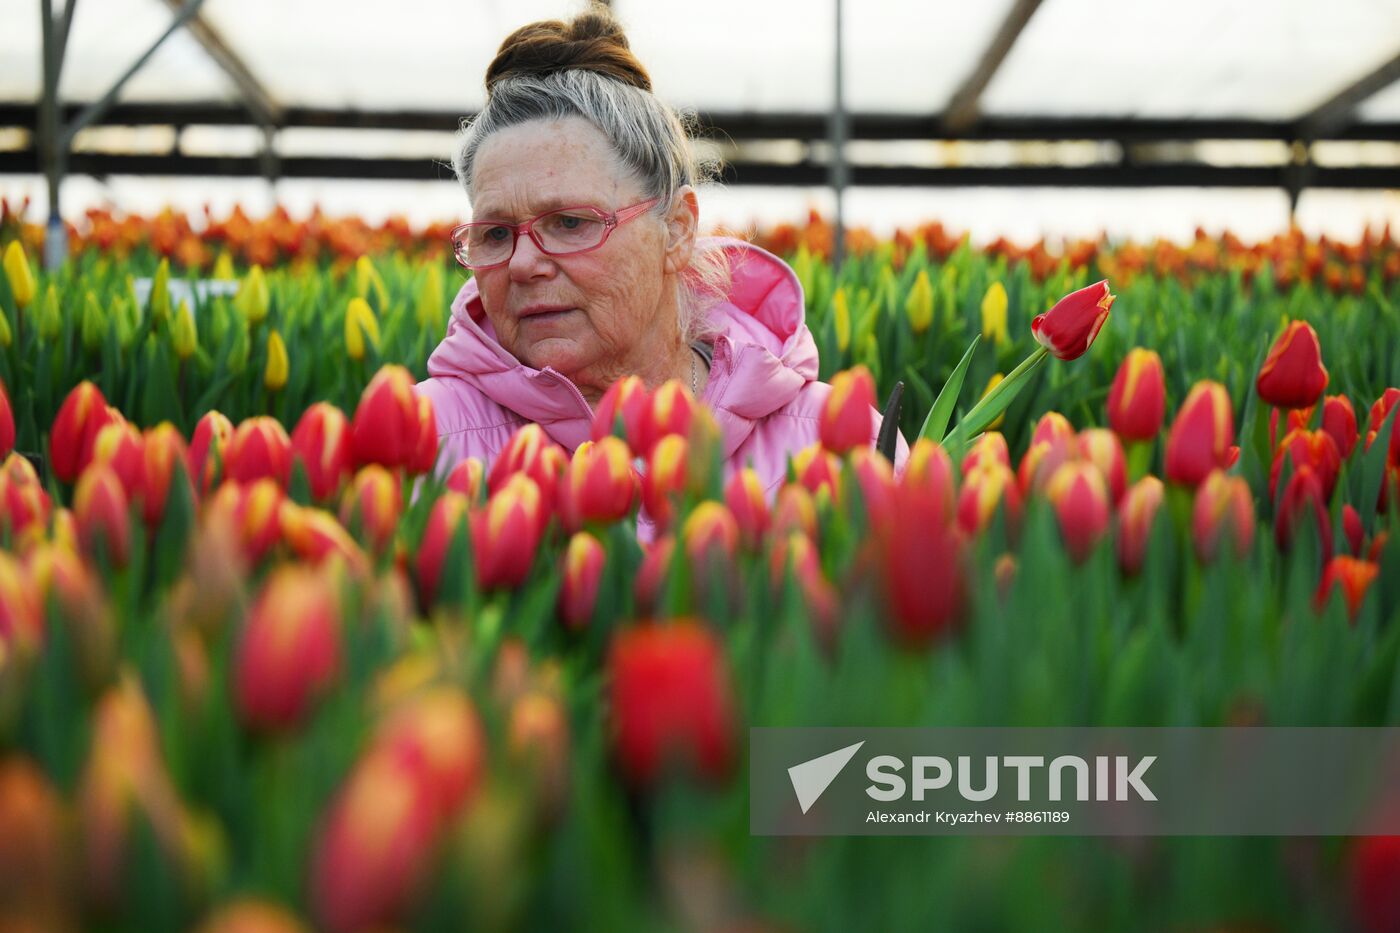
963 109
838 171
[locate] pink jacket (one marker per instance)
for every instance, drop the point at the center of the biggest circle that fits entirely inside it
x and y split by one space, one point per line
763 387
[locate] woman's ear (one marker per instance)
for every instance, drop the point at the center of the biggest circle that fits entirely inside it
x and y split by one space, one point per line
681 225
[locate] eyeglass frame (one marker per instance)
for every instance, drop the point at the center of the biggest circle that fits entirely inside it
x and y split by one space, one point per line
611 221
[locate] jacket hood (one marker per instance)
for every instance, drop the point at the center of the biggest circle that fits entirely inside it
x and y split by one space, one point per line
763 354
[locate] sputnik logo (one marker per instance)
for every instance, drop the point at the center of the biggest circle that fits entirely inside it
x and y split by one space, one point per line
811 778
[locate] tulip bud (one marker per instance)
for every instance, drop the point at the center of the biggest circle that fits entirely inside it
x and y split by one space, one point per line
1317 449
1100 447
1293 375
710 533
920 561
426 450
1069 328
314 535
211 436
259 448
83 413
930 468
664 478
506 533
120 446
847 417
795 510
841 319
629 399
19 275
994 305
1355 577
818 468
248 915
223 267
600 484
183 336
1136 512
744 496
321 443
93 328
671 412
448 514
1352 530
34 869
530 451
100 508
438 734
387 426
163 445
656 562
1339 420
583 571
289 650
1301 496
1201 435
1138 397
467 477
159 302
994 380
275 374
1080 496
253 298
375 501
1380 410
988 448
918 306
21 615
49 317
24 505
361 327
1223 505
7 337
876 479
669 702
427 312
983 489
1042 459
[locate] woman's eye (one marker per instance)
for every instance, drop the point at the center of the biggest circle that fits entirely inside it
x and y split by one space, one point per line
571 223
497 233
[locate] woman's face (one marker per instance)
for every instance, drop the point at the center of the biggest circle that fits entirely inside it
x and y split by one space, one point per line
620 295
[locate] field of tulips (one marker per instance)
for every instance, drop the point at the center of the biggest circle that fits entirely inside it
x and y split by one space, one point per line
260 669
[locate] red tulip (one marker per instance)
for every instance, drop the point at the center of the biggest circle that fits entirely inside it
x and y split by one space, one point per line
387 426
531 452
875 476
629 399
1352 530
467 477
819 597
1318 450
259 449
251 513
1375 883
920 561
7 423
1053 428
289 650
652 574
1042 459
1303 495
582 573
21 615
1137 511
600 485
665 478
100 509
817 469
1101 447
1339 420
321 442
1137 399
506 533
438 735
163 447
315 536
847 417
83 413
669 702
211 436
930 467
1355 577
983 490
795 510
1202 435
745 498
24 505
425 452
375 501
121 447
1223 506
448 514
1379 411
1080 497
671 411
989 448
1069 328
710 533
1293 375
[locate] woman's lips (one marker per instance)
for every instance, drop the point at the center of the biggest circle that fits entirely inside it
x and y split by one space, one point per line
543 316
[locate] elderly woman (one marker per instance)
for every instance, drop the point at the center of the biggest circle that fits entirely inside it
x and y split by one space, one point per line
587 267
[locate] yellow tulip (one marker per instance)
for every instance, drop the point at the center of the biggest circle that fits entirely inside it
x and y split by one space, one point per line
367 277
360 325
841 318
6 337
253 298
182 331
94 322
160 292
275 376
992 384
50 317
429 310
994 313
918 306
223 267
20 275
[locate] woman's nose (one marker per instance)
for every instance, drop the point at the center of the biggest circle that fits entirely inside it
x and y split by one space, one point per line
528 261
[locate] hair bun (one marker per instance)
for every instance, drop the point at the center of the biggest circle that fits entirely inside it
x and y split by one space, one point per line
591 41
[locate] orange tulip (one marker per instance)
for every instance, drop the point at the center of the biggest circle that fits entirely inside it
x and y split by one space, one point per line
582 573
1202 435
83 413
100 508
211 437
745 497
669 702
1137 399
600 485
249 915
375 501
1069 328
321 443
33 852
387 425
1223 506
1136 513
1080 496
506 533
1293 375
847 417
1355 578
259 449
289 649
21 618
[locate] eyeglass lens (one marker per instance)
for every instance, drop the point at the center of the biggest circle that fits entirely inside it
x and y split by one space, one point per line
560 231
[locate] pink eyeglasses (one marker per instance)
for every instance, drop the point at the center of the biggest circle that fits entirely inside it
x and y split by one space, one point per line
562 232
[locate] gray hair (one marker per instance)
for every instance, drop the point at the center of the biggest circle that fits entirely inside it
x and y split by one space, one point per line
652 141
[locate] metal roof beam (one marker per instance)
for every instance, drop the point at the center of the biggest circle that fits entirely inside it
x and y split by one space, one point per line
1339 110
963 109
256 97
